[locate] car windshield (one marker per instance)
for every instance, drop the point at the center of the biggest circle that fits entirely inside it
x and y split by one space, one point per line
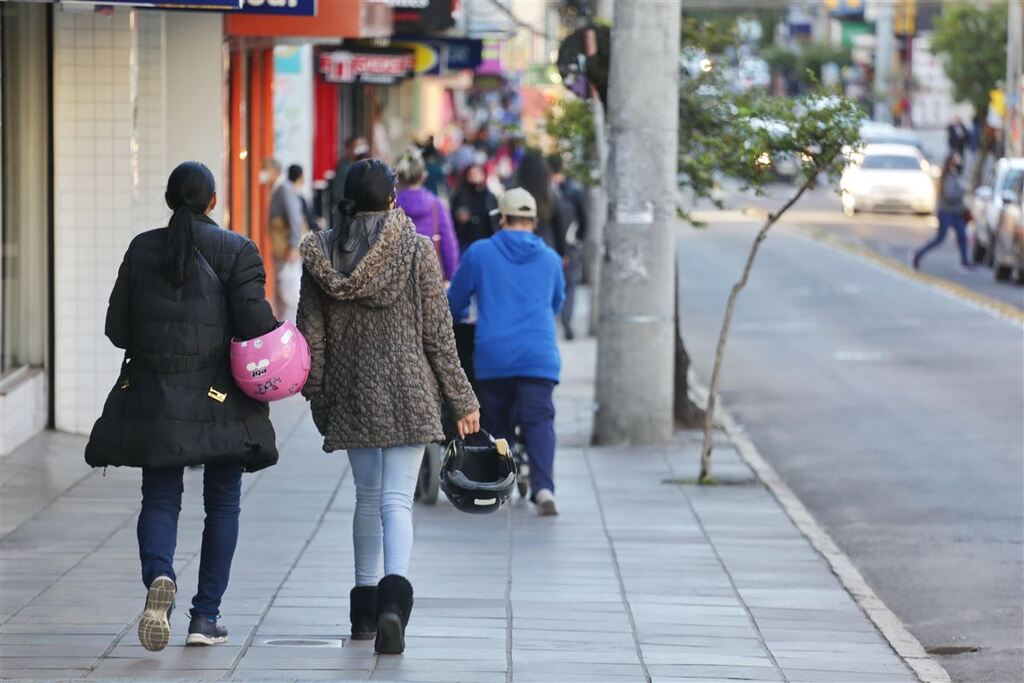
891 162
891 140
1011 177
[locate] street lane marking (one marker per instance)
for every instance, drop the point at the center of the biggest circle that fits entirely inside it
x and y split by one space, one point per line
901 640
860 356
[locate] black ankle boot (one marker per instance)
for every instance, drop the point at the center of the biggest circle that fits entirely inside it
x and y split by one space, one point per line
394 605
362 612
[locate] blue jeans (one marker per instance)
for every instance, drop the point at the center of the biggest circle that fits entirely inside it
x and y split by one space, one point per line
947 220
385 480
527 402
158 529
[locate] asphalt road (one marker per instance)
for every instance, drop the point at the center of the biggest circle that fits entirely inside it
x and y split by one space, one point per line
889 234
893 410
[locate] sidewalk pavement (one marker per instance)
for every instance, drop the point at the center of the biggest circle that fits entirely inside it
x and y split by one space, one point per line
639 578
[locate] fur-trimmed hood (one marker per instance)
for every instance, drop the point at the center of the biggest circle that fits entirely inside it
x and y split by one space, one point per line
380 276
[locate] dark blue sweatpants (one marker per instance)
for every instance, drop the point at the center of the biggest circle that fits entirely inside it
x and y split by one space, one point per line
527 402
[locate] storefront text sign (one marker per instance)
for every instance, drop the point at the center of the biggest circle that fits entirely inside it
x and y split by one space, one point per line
295 8
379 66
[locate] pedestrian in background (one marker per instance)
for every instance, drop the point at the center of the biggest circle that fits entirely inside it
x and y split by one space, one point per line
436 173
297 178
573 203
383 357
182 293
287 226
952 212
957 136
473 206
428 213
519 288
534 176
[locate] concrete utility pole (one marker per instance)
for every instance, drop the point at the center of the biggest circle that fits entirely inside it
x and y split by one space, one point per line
637 317
884 39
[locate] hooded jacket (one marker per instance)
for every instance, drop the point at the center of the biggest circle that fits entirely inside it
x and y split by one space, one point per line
519 287
373 309
175 403
432 220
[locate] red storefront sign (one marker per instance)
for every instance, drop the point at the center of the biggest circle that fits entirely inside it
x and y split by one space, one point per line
366 66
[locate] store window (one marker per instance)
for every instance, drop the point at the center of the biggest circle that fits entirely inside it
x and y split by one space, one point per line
24 186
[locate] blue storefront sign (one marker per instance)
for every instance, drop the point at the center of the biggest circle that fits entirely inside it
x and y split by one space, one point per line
292 8
451 54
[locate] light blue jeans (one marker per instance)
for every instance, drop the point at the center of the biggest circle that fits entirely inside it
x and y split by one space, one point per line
385 483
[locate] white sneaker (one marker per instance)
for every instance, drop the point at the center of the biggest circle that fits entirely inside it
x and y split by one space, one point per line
545 502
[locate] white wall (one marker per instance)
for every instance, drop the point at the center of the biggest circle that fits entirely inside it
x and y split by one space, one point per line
293 107
195 94
109 175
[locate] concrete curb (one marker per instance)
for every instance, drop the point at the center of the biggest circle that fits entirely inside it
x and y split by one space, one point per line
906 646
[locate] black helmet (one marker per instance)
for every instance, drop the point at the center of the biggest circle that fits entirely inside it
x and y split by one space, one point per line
478 473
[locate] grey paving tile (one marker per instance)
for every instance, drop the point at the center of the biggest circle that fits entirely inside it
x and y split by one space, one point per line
659 671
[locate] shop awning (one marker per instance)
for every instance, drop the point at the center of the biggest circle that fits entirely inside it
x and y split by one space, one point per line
334 19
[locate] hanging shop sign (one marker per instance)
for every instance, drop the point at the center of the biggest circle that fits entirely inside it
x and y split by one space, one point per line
379 66
422 16
441 56
292 8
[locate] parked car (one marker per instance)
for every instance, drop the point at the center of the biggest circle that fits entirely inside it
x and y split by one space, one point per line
988 204
1008 240
890 178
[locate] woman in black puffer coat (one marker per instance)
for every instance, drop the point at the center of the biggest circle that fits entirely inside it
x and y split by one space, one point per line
181 294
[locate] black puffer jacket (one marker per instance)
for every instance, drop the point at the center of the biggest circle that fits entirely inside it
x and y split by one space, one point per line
176 341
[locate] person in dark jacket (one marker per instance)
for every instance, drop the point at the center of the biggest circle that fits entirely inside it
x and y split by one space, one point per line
952 213
473 205
181 294
573 202
383 358
534 176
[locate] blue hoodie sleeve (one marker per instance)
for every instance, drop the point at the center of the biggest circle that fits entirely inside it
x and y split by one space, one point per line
463 286
559 296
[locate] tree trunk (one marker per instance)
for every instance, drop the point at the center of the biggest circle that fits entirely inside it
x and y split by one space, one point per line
688 415
723 334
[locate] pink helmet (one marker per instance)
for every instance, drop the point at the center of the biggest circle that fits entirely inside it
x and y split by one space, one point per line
273 366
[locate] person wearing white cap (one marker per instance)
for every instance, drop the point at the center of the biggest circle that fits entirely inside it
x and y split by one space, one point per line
519 286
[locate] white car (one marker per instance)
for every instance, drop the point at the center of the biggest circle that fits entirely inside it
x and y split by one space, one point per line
888 178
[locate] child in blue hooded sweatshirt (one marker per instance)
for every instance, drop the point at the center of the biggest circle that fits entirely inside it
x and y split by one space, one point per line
519 286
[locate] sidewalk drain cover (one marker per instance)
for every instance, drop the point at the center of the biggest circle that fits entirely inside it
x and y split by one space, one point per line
946 650
302 643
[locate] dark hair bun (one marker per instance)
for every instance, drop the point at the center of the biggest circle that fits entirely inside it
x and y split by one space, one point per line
347 207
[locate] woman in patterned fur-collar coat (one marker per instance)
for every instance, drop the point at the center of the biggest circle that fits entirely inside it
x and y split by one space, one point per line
374 310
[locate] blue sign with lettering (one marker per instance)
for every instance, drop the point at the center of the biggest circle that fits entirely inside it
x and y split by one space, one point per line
292 8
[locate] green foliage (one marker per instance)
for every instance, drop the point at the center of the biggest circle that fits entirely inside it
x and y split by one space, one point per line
810 58
972 41
570 124
740 136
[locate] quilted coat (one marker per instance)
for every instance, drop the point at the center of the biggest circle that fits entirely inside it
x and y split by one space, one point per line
384 357
175 403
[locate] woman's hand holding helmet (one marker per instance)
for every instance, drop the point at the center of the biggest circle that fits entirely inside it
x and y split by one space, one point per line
470 424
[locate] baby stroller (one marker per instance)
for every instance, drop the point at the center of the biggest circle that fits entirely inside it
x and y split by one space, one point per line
429 482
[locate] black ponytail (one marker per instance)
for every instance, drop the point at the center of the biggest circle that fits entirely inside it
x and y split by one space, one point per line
190 190
369 186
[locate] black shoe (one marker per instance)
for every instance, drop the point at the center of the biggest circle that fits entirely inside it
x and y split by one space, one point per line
394 605
155 625
205 631
362 612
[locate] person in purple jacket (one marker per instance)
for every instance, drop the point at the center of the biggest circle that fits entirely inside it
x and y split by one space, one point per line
427 212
